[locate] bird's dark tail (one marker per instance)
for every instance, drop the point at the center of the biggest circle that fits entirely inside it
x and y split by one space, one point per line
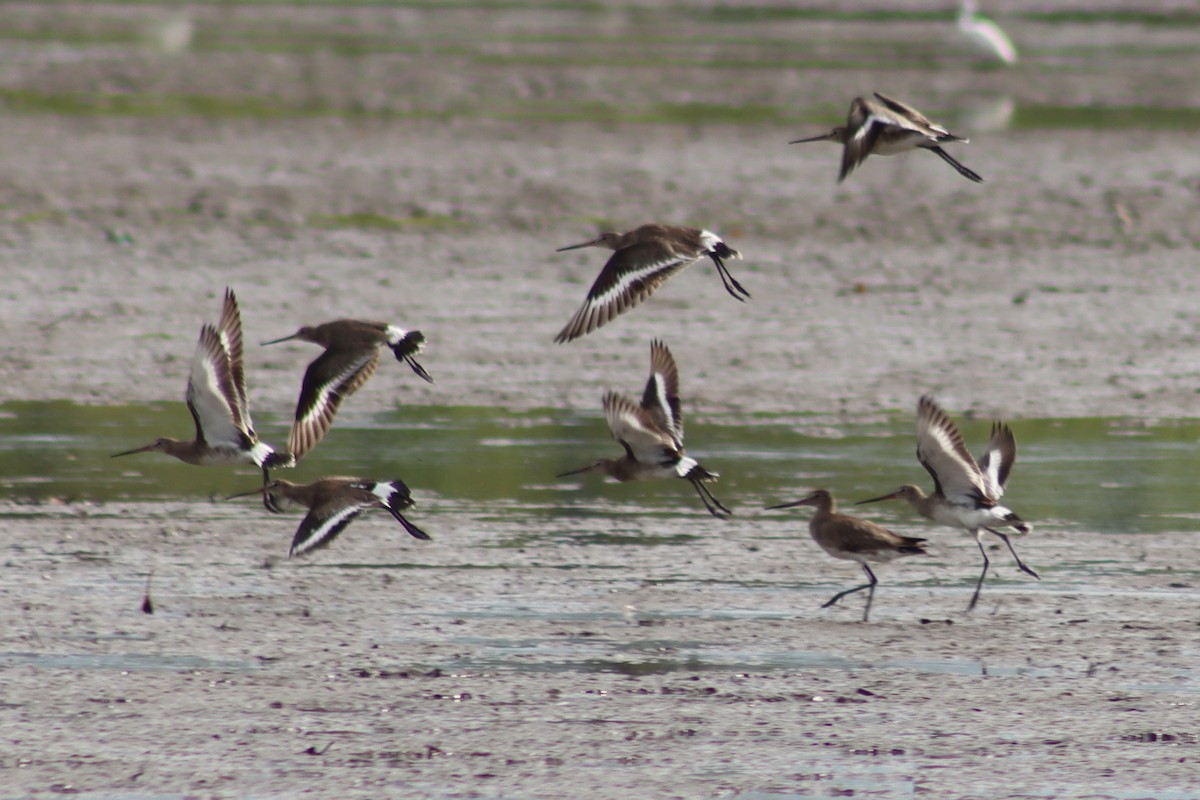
395 496
277 460
1018 524
408 346
911 546
272 460
722 250
695 472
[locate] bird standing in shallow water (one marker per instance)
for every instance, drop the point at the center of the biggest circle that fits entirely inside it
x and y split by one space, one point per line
966 494
334 503
216 397
352 349
652 434
985 34
645 257
882 126
854 539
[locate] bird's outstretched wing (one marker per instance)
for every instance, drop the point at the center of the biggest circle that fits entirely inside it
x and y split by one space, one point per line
661 397
997 459
941 450
631 275
330 378
635 428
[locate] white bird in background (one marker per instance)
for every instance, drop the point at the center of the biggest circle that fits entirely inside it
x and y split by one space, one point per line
984 34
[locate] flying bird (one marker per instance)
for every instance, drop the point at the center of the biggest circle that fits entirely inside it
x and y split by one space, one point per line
966 493
652 434
352 349
643 260
216 398
885 127
333 503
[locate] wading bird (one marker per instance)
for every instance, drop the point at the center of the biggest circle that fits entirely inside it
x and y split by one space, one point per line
333 503
645 257
216 396
884 127
984 34
966 494
854 539
652 434
352 349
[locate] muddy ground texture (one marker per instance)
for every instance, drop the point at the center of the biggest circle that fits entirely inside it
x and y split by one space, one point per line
1063 286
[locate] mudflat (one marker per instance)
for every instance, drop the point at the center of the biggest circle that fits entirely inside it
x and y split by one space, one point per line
420 165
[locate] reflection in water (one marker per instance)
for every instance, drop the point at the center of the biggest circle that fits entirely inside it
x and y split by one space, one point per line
1100 474
982 113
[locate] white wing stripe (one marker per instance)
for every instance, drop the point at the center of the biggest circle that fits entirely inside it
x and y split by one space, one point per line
626 279
328 528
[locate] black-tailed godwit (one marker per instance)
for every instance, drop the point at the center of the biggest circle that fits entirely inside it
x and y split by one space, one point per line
854 539
652 434
966 494
216 396
884 127
352 349
333 503
645 258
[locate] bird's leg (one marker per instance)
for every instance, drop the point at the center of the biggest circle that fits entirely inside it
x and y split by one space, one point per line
845 592
870 592
735 289
412 529
962 170
417 368
982 575
1020 563
711 503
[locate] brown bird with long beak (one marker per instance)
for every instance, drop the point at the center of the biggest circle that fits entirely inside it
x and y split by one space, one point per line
216 398
854 539
333 503
966 494
882 126
652 434
352 349
645 258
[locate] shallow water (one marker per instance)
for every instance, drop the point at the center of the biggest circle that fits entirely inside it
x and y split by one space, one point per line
1106 475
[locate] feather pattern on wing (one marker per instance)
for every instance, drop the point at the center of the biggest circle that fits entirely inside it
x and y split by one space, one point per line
842 535
631 275
862 132
322 525
330 378
230 329
211 395
905 116
998 459
661 397
941 450
635 428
